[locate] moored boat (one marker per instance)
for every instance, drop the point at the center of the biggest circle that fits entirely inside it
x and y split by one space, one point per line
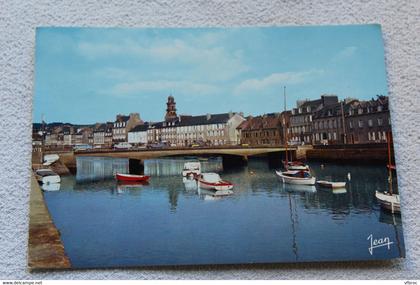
50 187
131 177
389 201
300 177
212 181
50 159
330 184
191 169
47 176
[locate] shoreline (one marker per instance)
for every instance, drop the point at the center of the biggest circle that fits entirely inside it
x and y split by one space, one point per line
45 247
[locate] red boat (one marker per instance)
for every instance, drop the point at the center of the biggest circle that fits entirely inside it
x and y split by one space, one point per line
131 177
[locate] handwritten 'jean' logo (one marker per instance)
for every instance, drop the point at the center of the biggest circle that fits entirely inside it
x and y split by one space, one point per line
374 243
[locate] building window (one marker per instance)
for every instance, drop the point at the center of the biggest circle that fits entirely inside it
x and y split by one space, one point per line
379 108
335 135
360 124
373 136
370 122
300 110
380 121
369 138
360 111
308 109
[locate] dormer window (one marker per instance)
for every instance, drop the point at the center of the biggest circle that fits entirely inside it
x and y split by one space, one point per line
300 110
308 109
360 111
380 108
293 111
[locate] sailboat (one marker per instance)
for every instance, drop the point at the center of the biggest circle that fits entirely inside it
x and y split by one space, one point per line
291 165
296 172
389 200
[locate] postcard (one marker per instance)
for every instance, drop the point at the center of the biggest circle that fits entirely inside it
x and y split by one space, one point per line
194 146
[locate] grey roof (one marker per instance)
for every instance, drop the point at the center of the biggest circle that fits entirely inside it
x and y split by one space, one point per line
187 120
139 128
204 119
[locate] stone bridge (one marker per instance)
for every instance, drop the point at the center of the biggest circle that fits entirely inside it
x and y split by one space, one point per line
232 156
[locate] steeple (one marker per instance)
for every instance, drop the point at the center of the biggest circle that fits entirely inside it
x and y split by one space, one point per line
170 109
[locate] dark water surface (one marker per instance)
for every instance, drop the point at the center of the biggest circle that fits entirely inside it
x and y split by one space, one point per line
105 224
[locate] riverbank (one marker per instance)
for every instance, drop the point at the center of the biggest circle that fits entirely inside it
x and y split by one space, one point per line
45 248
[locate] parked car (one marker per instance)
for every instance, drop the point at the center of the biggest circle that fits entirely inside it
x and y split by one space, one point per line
82 147
123 145
156 145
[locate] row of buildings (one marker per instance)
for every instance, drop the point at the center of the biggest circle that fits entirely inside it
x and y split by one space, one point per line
323 121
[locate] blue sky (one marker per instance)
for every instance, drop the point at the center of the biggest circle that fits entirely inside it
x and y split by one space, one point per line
88 75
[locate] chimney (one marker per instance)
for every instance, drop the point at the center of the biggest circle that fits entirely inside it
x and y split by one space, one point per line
208 116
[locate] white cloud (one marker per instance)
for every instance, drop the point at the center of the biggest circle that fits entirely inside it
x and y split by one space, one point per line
274 80
204 56
345 53
166 86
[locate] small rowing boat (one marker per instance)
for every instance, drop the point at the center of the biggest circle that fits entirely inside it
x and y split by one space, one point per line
47 176
212 181
300 177
330 184
131 177
389 201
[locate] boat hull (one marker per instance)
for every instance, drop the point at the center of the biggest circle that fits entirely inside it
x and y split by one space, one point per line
51 179
389 202
131 178
51 187
220 186
296 180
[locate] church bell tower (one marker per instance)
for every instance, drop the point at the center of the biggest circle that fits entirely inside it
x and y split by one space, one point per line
170 109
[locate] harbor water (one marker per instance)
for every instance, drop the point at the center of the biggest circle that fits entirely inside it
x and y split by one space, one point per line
171 222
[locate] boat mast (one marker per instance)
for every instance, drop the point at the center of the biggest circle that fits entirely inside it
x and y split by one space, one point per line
284 124
389 163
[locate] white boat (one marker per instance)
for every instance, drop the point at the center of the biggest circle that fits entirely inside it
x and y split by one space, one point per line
212 181
296 177
389 201
50 187
330 184
50 159
191 168
47 176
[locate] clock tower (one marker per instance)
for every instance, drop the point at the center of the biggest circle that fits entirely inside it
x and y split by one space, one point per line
170 109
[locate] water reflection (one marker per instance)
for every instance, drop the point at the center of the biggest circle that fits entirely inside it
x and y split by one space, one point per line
99 168
171 221
174 166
